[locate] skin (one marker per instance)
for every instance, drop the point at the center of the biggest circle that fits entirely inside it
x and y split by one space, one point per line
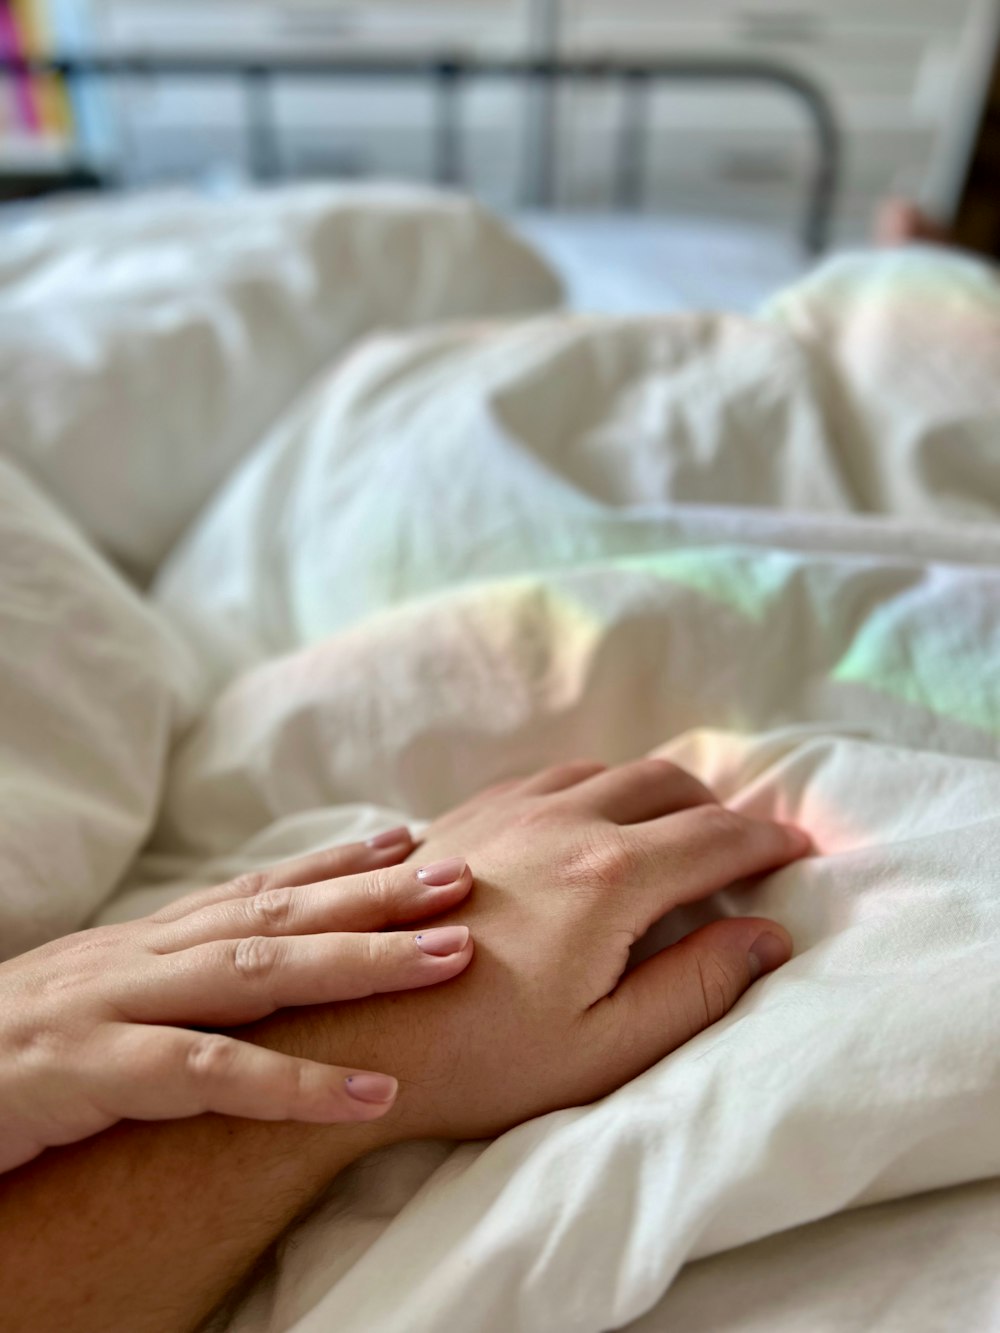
94 1027
572 867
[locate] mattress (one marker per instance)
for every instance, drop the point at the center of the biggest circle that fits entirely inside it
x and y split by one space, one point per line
621 263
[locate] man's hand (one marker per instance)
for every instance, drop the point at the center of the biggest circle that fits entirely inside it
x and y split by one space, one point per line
146 1227
104 1025
572 867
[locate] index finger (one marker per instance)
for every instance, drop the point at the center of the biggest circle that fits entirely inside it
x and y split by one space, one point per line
692 854
391 895
353 858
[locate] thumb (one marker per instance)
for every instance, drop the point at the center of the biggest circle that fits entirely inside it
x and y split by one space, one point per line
682 990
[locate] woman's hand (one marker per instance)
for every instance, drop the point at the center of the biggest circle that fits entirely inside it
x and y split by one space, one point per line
572 867
96 1027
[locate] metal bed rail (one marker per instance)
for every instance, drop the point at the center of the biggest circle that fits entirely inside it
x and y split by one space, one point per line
448 75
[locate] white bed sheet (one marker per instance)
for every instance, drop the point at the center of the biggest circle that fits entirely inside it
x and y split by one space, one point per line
922 1265
574 593
577 562
624 263
633 264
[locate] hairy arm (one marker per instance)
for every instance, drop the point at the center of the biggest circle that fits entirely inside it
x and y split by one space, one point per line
149 1226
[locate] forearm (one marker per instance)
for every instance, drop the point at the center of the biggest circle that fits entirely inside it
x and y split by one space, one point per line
147 1227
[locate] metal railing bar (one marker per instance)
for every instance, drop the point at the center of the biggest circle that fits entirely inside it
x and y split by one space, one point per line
449 166
630 173
262 132
448 71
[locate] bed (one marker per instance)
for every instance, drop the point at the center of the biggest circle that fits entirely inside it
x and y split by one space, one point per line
763 544
617 255
628 263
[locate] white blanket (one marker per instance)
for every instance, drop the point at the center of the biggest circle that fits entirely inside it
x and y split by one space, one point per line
146 344
472 551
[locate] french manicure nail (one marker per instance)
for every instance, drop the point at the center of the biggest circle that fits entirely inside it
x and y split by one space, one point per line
394 837
442 941
378 1088
766 953
440 873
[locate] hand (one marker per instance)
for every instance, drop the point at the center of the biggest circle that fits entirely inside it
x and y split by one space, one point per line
572 867
88 1029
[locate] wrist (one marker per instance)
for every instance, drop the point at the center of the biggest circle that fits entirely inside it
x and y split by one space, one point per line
317 1153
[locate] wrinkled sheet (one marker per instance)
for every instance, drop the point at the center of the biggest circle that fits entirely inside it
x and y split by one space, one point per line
765 547
94 690
474 550
924 1263
147 341
635 263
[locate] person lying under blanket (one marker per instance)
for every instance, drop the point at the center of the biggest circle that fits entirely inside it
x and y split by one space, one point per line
500 990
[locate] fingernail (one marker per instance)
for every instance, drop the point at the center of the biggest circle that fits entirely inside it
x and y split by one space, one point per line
371 1087
766 953
442 940
393 837
440 873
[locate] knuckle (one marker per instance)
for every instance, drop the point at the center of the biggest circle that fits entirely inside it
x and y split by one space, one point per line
270 909
676 779
378 892
605 862
713 990
535 811
249 884
255 958
376 950
663 768
209 1056
297 1092
719 824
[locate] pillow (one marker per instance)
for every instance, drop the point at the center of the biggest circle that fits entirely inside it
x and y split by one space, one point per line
92 691
148 343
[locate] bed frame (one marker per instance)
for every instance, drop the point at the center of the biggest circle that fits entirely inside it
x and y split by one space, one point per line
446 76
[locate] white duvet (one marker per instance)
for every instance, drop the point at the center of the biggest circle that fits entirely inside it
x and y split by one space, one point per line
769 546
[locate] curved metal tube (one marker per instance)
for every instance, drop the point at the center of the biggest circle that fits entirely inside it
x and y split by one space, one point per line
448 73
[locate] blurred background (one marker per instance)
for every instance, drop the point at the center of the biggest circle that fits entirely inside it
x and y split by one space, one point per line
904 84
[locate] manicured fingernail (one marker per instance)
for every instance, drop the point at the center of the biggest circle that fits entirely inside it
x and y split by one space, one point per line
766 953
371 1087
442 940
440 873
393 837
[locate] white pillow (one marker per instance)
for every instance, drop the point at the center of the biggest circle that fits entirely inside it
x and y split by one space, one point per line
92 691
147 343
